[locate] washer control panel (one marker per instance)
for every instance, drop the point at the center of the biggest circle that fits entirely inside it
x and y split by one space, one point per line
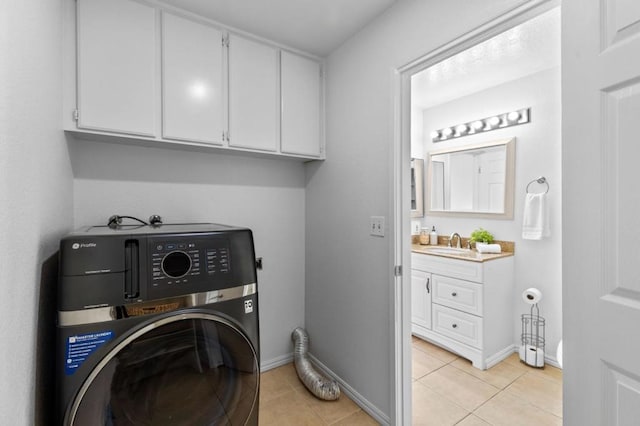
182 260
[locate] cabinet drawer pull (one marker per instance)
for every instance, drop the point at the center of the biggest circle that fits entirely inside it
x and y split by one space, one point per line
454 325
428 279
454 294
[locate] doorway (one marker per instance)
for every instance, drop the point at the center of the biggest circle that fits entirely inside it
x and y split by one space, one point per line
459 55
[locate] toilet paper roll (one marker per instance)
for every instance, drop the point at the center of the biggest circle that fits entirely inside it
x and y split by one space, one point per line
532 356
532 296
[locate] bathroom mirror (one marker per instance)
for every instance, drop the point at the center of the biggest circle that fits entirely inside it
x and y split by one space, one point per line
417 190
472 181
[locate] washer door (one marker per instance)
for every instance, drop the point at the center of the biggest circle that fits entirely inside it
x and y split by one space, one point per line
186 369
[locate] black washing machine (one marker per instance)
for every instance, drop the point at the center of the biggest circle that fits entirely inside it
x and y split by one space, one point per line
158 325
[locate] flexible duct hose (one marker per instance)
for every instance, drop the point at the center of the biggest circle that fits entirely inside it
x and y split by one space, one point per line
317 384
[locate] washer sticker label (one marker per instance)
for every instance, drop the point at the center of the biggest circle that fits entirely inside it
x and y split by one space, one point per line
81 346
248 306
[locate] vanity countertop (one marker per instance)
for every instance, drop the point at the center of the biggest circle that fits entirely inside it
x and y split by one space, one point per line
470 256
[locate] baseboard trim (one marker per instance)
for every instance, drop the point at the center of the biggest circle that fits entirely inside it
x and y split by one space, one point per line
276 362
361 401
501 355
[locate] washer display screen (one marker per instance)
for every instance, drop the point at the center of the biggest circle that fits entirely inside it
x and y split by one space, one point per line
176 264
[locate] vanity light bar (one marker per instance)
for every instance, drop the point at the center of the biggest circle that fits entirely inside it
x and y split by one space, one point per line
500 121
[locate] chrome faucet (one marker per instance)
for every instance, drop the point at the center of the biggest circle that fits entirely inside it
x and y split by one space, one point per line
455 234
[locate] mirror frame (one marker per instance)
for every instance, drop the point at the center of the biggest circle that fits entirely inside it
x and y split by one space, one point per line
510 145
417 166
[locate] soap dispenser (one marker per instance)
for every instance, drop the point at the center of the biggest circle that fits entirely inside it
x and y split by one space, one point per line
433 237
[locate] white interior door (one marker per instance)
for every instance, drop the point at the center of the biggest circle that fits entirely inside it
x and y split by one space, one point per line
491 180
601 203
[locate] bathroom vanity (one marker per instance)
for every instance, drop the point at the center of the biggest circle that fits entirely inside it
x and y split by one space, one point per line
463 301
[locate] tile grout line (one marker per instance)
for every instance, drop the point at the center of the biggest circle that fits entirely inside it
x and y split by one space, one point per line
500 390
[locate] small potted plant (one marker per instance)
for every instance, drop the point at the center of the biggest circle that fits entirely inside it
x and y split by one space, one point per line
481 235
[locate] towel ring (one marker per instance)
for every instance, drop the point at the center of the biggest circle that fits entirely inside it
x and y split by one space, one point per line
541 180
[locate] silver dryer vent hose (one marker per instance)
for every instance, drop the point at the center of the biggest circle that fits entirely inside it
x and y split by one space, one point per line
320 386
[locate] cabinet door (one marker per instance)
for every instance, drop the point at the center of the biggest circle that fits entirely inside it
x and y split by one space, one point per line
116 66
301 86
421 298
191 81
253 95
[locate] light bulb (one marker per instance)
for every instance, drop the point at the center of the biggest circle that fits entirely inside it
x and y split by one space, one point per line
462 129
477 125
493 121
435 135
447 132
513 116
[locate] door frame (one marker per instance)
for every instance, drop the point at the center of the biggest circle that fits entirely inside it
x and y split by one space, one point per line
401 197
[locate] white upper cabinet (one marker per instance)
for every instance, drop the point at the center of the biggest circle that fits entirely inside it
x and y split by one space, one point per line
301 100
253 95
192 88
140 70
116 81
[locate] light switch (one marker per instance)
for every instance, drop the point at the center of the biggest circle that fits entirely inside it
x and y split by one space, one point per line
377 226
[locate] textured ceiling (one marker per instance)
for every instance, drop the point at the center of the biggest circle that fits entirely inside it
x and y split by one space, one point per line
313 26
529 48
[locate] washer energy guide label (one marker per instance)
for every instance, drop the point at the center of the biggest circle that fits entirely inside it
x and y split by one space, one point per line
81 346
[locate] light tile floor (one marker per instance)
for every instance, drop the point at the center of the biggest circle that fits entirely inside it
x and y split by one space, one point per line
284 401
447 390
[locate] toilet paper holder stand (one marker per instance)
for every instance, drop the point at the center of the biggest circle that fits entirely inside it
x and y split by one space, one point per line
533 338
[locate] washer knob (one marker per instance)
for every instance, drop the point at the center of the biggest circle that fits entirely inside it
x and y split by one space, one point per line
176 264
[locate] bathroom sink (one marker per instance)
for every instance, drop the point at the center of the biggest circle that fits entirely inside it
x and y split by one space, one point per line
447 250
451 251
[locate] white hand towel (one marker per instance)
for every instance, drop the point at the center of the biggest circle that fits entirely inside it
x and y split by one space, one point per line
488 248
535 224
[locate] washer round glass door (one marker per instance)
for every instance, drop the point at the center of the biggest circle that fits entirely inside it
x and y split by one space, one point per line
187 369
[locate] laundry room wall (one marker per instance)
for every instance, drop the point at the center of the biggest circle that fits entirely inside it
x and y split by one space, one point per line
35 205
264 194
349 273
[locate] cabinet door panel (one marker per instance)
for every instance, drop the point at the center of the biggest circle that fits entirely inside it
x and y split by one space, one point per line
116 66
421 298
253 95
300 105
191 80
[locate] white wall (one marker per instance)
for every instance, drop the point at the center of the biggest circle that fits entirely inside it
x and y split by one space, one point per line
348 286
35 200
538 153
266 195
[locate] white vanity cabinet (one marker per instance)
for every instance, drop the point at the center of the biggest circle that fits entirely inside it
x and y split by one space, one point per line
253 95
192 85
116 63
471 306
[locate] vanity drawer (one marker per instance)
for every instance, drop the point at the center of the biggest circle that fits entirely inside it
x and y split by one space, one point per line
462 269
463 295
458 325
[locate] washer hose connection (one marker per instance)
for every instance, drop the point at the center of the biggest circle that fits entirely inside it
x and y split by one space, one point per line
317 384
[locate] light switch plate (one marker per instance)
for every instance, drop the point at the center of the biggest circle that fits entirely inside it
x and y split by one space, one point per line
377 226
415 227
